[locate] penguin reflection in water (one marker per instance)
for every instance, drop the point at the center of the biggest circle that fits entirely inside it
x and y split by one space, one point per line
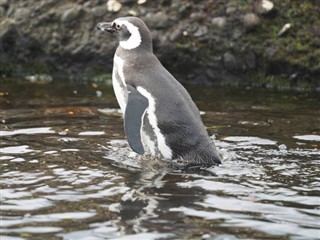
160 117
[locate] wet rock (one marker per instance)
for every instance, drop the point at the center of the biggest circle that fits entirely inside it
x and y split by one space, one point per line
263 7
250 21
219 22
114 6
71 14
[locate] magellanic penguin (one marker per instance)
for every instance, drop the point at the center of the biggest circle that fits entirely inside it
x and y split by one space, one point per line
159 115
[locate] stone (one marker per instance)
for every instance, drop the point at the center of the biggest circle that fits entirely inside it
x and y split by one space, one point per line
132 12
284 29
99 11
230 61
158 20
22 14
114 6
263 7
141 1
251 20
71 14
250 60
5 26
219 22
39 78
230 10
201 31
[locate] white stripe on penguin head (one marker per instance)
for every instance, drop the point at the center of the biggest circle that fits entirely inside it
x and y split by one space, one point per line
134 40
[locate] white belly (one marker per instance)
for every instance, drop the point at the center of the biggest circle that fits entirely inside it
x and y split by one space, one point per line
119 83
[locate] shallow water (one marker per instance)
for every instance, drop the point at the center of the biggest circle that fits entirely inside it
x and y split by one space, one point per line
67 171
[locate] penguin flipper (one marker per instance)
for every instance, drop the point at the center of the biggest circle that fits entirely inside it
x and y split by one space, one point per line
134 112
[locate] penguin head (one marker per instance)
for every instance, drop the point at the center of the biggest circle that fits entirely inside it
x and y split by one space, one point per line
131 32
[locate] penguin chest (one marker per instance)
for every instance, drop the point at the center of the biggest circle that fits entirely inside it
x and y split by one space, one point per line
119 83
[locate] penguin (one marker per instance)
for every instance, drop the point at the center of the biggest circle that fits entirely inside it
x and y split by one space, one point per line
160 117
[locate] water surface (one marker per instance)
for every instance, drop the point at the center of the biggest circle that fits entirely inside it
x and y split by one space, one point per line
68 173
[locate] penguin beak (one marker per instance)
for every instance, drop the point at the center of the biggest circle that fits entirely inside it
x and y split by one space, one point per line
105 27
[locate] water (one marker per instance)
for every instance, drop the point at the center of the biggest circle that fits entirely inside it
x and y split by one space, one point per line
67 171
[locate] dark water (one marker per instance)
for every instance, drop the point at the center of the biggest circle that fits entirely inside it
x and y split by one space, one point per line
67 172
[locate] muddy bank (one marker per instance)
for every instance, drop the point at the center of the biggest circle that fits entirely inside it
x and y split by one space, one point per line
256 43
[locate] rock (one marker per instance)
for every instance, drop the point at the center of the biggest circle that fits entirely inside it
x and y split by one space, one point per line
263 7
158 20
39 78
219 22
141 1
250 60
230 61
201 31
197 16
230 10
270 52
99 11
71 14
250 21
284 29
132 12
4 4
6 26
22 14
114 6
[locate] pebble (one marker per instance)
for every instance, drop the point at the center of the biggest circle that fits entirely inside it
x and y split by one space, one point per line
141 1
263 7
132 12
219 22
114 6
251 20
284 29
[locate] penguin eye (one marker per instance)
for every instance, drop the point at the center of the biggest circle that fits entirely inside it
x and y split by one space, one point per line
116 26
